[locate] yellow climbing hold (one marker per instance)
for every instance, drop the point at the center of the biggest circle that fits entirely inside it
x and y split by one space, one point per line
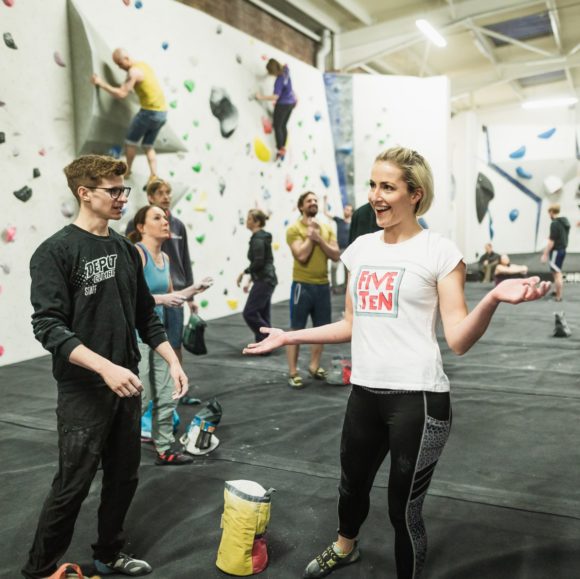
262 151
233 304
275 246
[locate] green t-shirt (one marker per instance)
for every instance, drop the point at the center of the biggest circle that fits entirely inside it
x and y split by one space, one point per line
315 270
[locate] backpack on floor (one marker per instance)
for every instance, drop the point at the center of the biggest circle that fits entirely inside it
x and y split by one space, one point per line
340 370
562 330
199 437
243 550
193 335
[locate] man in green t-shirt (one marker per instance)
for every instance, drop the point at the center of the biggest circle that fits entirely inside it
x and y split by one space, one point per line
312 245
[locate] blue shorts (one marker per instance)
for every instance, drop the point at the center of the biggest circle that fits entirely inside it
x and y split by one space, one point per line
307 299
174 326
557 260
145 125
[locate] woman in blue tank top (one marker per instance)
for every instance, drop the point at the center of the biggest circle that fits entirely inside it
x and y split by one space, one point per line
151 230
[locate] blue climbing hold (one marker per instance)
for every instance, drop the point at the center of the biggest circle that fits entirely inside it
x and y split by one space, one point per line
519 153
547 134
325 180
514 214
317 116
165 45
523 174
138 4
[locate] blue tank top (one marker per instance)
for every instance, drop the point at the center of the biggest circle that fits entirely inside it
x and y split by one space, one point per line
157 278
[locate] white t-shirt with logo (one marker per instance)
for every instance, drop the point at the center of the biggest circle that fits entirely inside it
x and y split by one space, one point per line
395 307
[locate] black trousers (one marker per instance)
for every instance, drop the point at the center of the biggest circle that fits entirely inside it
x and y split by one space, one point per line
280 121
258 307
94 426
414 428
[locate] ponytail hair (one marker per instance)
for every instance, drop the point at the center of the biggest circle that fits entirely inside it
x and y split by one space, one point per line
139 219
258 216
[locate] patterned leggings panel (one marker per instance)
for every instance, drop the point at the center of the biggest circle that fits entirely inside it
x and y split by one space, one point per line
413 427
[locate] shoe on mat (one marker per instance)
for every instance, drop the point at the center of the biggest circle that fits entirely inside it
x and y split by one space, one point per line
329 560
295 382
318 374
123 565
189 401
172 458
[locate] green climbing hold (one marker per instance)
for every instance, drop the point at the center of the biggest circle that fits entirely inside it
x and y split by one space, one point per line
185 137
200 238
197 167
173 104
189 197
204 303
189 85
196 123
210 216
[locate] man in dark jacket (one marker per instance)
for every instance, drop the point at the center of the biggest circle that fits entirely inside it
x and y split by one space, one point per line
363 221
90 299
555 250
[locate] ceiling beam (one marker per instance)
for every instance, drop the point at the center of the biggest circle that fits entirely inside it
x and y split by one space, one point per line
485 46
509 72
311 10
555 24
370 42
355 9
515 42
286 19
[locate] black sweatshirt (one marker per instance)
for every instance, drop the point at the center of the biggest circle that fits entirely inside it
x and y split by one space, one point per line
261 258
90 290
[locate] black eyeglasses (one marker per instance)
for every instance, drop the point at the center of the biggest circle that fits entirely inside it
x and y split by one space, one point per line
114 192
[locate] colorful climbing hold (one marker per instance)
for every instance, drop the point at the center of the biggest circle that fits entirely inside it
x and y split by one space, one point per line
196 123
2 137
204 303
9 41
58 59
127 2
210 217
325 180
262 151
222 185
9 3
165 45
2 350
289 184
275 246
200 238
5 268
189 85
238 59
173 104
518 153
197 167
233 304
224 110
317 116
42 152
522 173
115 151
9 234
189 197
138 4
267 125
547 134
514 214
35 173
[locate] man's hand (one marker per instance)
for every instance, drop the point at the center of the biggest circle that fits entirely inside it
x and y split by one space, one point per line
193 307
96 79
239 279
544 258
313 231
121 381
179 380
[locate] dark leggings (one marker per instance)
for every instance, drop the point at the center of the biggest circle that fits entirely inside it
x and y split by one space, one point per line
257 310
414 428
281 116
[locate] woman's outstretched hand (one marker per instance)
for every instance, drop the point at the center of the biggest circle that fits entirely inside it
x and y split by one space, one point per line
274 340
516 291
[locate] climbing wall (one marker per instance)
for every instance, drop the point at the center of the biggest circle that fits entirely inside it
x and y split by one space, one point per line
370 113
522 163
218 147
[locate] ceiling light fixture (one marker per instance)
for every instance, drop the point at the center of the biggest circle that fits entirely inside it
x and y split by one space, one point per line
550 103
427 29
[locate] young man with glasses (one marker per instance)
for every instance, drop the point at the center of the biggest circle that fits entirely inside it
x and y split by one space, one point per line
90 299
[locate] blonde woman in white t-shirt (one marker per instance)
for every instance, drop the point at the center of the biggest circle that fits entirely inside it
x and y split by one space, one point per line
400 278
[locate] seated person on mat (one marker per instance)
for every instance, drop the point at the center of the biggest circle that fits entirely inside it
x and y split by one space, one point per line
507 270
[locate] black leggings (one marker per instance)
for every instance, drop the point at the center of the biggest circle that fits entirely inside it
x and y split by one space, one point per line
414 428
281 116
